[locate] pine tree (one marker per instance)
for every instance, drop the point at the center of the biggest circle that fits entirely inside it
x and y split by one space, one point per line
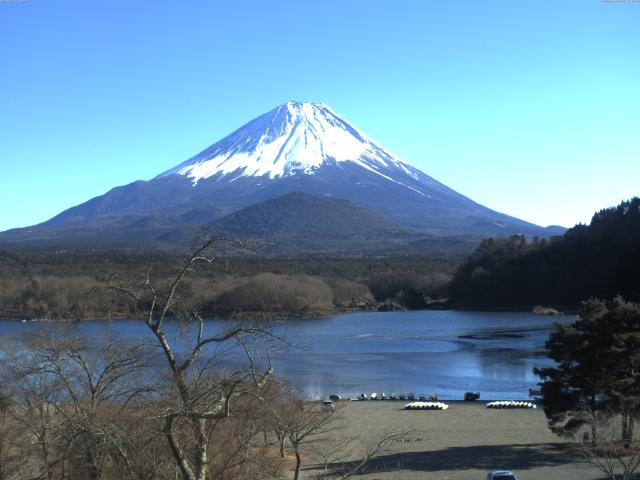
597 363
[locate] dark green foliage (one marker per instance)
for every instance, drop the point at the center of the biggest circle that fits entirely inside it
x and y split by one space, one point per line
597 364
599 260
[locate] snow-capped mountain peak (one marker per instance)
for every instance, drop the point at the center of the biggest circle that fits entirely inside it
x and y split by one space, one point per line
296 148
294 138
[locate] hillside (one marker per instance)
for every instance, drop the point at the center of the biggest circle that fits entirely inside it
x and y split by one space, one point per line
598 260
301 215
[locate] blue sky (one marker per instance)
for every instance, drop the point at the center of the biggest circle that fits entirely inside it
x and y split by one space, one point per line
530 108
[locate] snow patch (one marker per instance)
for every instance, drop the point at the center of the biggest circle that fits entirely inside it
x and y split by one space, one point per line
294 138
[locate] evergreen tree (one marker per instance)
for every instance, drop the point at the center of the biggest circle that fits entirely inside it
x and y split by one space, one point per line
597 363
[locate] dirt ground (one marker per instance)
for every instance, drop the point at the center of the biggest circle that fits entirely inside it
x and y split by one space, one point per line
464 442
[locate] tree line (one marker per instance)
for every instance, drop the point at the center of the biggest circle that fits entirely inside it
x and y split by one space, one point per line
55 285
596 260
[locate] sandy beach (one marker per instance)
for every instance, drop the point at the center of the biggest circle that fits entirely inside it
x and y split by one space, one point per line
464 442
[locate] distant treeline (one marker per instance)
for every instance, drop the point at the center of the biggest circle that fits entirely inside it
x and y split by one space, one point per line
599 260
67 285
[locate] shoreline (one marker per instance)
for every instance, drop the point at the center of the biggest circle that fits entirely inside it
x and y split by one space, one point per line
284 316
472 403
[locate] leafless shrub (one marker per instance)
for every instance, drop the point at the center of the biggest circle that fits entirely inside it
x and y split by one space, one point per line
342 456
608 450
279 293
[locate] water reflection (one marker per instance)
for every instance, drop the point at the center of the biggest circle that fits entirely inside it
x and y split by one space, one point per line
505 364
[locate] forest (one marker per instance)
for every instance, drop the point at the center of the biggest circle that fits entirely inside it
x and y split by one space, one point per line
56 285
601 260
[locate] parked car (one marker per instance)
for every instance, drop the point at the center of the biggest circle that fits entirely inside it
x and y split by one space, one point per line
327 406
501 475
471 396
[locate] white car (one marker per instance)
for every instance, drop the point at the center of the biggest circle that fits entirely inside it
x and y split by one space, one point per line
501 475
327 406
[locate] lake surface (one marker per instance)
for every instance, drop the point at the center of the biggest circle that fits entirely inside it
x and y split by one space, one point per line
444 352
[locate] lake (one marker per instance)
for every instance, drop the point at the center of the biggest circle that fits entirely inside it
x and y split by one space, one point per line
446 352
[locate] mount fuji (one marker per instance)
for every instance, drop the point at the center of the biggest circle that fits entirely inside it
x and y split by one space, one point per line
295 138
296 147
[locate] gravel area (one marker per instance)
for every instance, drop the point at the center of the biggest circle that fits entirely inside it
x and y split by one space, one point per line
464 442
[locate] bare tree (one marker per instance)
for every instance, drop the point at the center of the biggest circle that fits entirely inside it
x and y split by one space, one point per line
73 395
303 430
184 404
281 402
35 393
9 459
609 450
344 456
201 391
304 424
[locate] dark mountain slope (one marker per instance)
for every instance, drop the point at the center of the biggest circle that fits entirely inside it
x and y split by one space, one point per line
302 215
297 224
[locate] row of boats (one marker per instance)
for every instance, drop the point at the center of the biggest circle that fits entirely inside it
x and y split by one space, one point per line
510 404
392 396
443 406
421 402
426 406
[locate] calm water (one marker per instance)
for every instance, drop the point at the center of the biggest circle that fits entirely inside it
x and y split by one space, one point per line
443 352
